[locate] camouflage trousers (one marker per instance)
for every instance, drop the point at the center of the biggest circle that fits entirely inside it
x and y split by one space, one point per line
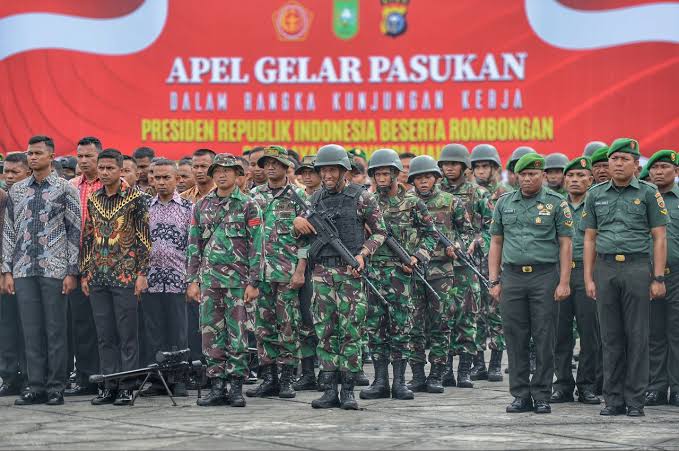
465 312
433 319
489 325
277 322
389 327
307 333
340 309
223 325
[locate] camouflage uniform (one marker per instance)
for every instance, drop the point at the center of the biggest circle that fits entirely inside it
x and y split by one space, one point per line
225 245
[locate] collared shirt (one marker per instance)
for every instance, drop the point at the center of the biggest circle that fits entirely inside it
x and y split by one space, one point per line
116 241
41 234
578 233
531 226
169 226
672 204
85 189
193 194
623 217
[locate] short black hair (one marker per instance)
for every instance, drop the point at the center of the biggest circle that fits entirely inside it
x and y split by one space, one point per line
112 154
129 158
406 155
17 157
256 149
90 141
165 162
37 139
186 161
203 152
144 152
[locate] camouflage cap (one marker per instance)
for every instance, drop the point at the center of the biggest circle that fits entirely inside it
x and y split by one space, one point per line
600 155
625 145
530 161
278 153
226 160
667 156
578 163
307 163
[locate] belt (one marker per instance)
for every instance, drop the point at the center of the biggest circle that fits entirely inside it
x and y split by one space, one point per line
527 269
331 262
623 258
576 264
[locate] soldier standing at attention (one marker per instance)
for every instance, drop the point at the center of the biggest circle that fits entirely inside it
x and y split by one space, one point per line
600 165
532 241
512 177
278 317
618 218
664 314
554 175
224 272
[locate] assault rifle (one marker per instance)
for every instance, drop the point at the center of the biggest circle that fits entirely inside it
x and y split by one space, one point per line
170 367
445 241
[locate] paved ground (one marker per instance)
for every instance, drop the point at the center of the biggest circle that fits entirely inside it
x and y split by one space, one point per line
460 419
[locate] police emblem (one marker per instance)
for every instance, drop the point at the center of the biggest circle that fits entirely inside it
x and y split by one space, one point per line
394 17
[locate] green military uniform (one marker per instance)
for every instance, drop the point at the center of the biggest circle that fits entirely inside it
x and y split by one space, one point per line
531 228
623 218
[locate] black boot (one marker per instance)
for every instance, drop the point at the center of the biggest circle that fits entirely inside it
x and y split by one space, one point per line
360 379
448 377
419 382
495 367
217 395
269 385
236 393
380 386
308 379
398 387
434 380
347 400
463 368
328 381
479 371
286 390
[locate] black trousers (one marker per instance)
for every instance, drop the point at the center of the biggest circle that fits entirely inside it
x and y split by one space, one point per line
84 336
43 311
622 301
195 338
584 310
12 355
664 338
115 316
165 324
527 310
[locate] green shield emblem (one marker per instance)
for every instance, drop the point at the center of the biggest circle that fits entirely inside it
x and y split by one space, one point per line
345 18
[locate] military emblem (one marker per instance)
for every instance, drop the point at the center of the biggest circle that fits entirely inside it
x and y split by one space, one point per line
538 220
569 223
345 18
663 211
540 206
549 206
292 21
583 163
661 203
394 17
673 157
637 201
632 145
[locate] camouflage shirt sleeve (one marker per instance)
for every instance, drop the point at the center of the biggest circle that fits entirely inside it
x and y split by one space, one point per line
462 221
253 220
195 248
425 225
369 210
485 209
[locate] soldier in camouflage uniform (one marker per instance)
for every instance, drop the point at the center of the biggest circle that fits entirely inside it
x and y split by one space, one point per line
451 219
453 162
278 317
554 166
340 305
409 220
224 271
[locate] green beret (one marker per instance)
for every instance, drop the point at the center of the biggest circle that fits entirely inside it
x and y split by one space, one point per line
578 163
668 156
625 145
530 161
644 174
600 155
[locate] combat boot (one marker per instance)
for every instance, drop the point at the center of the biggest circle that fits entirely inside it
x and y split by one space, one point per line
495 367
327 380
269 385
419 382
463 368
479 371
308 379
217 395
380 386
347 400
434 380
236 393
286 390
398 387
448 377
360 379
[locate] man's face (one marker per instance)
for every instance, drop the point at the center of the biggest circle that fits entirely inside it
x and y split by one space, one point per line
185 179
165 180
201 164
512 178
424 183
530 181
483 171
663 173
554 178
358 177
452 170
143 167
274 169
258 174
601 172
331 177
578 181
87 158
383 178
39 156
15 172
109 171
129 172
403 176
310 178
224 178
622 166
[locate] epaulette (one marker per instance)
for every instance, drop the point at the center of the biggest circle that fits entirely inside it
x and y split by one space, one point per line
597 184
652 185
551 192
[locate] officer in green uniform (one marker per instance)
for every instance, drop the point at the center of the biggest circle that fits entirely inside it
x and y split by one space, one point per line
554 166
592 147
578 179
664 313
531 239
618 217
600 165
518 153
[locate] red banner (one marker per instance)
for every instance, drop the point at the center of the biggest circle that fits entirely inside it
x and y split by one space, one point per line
411 75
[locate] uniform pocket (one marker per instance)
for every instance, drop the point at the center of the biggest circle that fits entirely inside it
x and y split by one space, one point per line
235 230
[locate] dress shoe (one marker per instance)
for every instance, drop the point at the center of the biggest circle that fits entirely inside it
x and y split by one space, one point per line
542 407
674 399
55 399
81 390
107 396
635 412
520 405
588 397
9 390
29 398
561 396
124 398
613 411
656 398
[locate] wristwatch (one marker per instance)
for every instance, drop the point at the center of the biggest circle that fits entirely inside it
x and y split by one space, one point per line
493 283
660 279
